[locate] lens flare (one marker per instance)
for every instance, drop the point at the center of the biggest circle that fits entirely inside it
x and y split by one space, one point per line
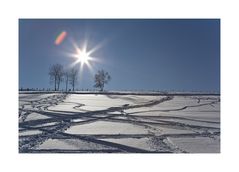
60 38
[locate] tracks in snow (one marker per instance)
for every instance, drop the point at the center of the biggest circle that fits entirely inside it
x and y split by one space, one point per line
62 121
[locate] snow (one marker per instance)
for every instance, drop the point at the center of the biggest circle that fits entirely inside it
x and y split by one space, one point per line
167 130
30 132
105 127
35 116
141 143
197 144
60 122
71 144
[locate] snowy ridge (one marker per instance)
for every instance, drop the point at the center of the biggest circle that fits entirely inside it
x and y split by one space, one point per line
152 93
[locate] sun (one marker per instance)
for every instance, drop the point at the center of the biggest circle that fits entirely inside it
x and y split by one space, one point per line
82 56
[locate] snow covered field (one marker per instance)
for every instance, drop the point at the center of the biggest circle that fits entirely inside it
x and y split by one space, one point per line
111 123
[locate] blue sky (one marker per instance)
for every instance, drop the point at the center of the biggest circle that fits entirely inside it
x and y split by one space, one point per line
143 54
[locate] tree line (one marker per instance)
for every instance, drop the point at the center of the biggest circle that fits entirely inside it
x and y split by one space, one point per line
58 74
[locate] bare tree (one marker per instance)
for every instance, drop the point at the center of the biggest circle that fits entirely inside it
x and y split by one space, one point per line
101 78
56 75
73 77
66 78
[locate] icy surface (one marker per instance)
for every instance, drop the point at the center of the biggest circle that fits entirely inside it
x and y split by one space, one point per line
81 123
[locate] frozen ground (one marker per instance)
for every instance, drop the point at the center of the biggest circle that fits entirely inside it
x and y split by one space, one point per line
91 123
